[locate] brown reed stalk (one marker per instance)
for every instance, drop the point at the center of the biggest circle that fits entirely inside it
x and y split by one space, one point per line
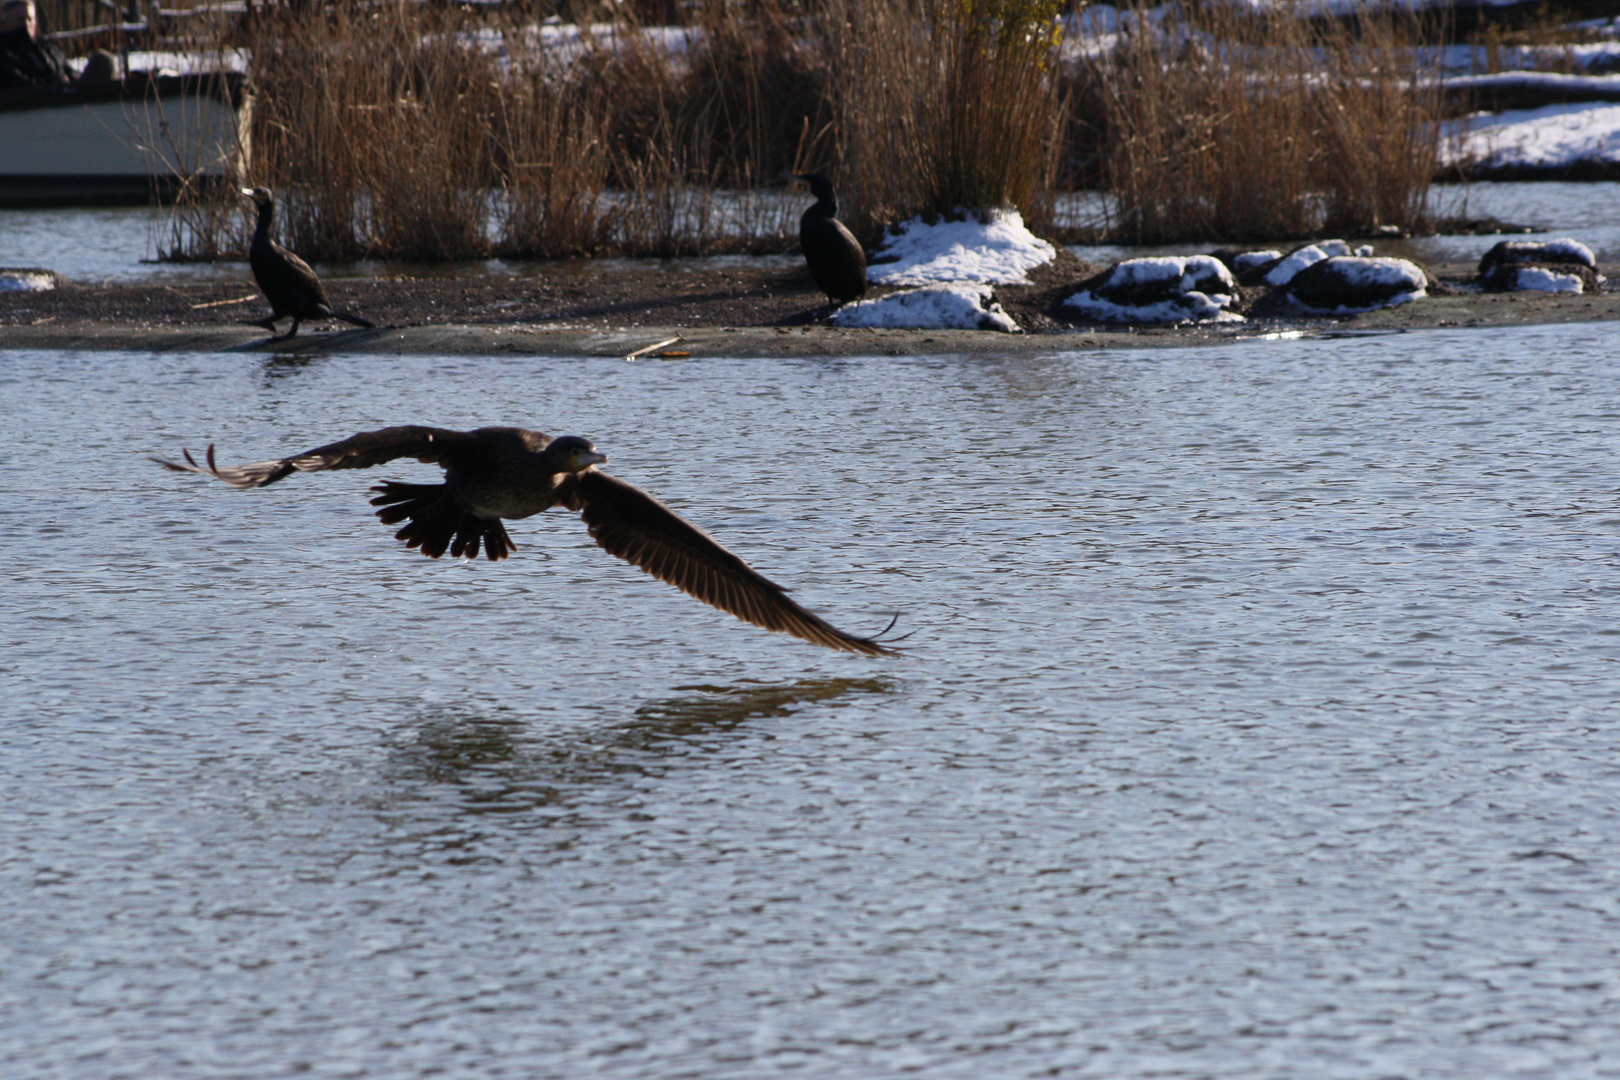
1227 125
1380 127
554 166
944 105
437 132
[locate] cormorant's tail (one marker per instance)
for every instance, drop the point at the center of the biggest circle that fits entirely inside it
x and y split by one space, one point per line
438 523
354 320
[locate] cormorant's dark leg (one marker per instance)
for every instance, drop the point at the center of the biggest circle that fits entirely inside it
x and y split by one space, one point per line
289 333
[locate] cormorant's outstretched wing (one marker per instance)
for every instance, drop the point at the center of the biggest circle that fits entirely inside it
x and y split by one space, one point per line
629 523
432 445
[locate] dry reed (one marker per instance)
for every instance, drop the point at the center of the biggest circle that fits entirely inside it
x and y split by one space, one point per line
437 132
1222 124
944 105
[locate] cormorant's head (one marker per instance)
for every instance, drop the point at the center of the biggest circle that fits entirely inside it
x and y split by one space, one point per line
259 195
819 185
574 453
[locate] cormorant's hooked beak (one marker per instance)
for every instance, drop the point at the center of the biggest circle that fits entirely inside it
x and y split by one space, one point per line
589 458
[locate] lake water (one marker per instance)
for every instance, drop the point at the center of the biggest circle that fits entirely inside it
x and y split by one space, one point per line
117 245
1259 720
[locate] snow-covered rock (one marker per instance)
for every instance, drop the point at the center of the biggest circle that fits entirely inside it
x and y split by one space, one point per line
1297 260
1542 252
1309 255
996 251
1511 277
1563 265
956 306
1248 260
1168 288
1350 284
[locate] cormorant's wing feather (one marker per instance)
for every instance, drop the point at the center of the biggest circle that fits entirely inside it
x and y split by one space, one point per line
297 275
436 446
632 525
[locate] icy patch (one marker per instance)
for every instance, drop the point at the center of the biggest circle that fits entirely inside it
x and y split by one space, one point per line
997 251
27 281
934 307
1163 289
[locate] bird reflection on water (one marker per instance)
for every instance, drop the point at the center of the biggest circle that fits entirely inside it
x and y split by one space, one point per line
494 764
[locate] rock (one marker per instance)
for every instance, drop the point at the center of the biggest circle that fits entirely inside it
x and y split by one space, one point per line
1538 252
1163 289
1282 271
1555 277
1564 265
959 306
1348 284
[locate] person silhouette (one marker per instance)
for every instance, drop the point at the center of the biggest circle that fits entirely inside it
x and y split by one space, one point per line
25 60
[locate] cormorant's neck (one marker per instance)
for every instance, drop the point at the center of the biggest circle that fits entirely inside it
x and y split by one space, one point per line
827 204
267 213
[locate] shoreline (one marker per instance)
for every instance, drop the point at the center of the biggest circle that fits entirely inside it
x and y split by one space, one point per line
726 312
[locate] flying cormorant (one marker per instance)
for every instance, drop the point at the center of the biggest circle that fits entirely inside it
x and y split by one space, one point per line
503 472
286 280
835 259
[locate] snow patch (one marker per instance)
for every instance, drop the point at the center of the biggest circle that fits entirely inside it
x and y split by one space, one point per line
27 281
955 306
996 251
1540 279
1553 137
1284 272
1248 260
1310 255
1568 249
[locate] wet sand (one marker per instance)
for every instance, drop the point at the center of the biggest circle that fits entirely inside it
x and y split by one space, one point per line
735 310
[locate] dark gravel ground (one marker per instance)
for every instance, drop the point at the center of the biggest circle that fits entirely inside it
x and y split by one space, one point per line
561 308
656 293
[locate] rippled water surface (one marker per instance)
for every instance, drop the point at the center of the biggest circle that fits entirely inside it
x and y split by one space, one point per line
1259 721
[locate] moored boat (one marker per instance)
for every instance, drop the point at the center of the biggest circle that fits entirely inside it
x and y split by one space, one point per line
125 141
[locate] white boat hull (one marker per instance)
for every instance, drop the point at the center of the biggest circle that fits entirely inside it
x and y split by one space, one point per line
123 142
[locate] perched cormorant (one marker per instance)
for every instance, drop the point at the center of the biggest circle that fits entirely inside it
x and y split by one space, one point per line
835 259
286 280
502 472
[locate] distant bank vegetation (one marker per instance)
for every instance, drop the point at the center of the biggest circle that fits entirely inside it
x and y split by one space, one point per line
435 131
